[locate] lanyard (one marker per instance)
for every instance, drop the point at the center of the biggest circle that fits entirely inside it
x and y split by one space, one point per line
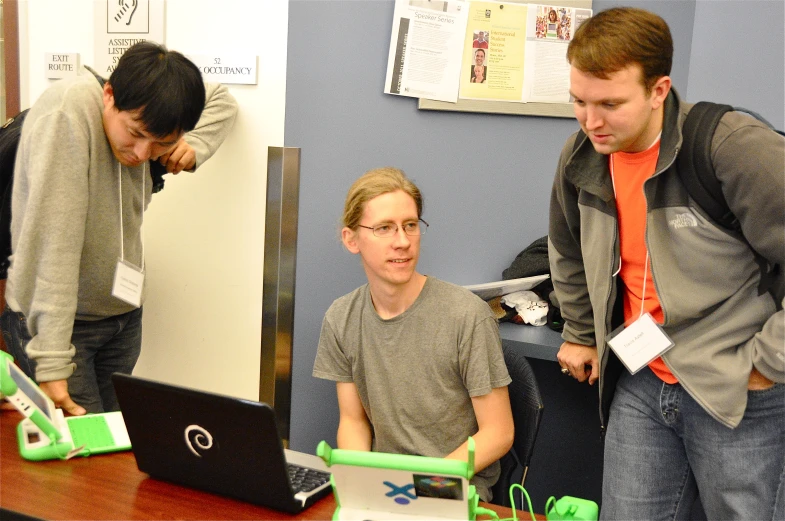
122 236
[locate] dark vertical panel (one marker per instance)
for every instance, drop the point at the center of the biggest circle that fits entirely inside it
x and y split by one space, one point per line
11 50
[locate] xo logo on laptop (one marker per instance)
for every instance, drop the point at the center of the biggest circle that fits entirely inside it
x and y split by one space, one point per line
403 491
200 436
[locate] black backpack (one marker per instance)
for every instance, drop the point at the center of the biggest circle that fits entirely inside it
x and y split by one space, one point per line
696 171
10 133
694 160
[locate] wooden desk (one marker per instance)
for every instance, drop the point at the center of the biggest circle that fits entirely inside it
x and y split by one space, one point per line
112 487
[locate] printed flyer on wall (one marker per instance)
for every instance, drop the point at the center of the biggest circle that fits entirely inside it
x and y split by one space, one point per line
425 49
493 52
546 72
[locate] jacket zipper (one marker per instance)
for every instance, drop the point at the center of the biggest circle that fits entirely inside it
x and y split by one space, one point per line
608 324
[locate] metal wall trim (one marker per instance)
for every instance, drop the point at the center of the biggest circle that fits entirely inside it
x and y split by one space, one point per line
280 255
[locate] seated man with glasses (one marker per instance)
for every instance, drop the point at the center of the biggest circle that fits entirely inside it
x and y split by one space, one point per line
418 362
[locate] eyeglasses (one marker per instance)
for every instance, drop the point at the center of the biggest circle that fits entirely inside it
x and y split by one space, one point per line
387 230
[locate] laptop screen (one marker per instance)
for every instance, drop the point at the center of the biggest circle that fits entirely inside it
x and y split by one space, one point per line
27 397
33 393
400 493
221 444
373 485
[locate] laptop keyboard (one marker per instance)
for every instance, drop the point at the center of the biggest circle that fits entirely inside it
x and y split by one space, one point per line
306 479
92 432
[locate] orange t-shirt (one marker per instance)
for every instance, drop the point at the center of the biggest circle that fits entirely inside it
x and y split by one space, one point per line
629 171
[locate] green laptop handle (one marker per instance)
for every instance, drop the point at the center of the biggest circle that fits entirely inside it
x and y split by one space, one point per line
7 384
397 461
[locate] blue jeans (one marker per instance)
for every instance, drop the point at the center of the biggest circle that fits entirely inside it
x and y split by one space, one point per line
662 450
106 346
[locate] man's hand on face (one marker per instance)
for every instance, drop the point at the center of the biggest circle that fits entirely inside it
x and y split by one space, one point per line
57 390
181 157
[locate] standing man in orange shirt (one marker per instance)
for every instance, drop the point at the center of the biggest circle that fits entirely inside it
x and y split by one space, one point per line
661 305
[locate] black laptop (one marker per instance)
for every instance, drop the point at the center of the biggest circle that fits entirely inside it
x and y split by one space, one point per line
228 446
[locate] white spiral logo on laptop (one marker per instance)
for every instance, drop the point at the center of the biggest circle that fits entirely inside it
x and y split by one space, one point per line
195 434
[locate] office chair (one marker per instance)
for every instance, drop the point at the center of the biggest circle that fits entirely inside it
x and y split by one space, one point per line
527 407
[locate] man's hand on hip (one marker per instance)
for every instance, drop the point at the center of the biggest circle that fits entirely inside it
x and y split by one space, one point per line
57 390
580 361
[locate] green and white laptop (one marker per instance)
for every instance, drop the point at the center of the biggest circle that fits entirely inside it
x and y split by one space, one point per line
46 434
380 486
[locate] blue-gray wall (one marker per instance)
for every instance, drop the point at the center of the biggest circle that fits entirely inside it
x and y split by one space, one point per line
486 178
738 52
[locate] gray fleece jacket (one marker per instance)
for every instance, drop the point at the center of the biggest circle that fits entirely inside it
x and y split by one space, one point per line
706 277
66 214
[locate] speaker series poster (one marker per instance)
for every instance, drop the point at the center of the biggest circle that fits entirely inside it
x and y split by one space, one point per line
425 49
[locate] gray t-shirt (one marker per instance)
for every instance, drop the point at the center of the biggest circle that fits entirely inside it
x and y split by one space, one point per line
417 372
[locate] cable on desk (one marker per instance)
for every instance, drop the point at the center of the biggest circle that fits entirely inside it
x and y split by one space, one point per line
512 501
495 516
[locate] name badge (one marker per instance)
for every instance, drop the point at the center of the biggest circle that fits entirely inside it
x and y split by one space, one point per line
639 343
128 283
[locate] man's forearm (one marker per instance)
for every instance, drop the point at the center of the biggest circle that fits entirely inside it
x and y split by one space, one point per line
489 446
215 123
354 435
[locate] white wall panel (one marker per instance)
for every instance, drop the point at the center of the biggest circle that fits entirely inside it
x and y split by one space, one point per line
204 234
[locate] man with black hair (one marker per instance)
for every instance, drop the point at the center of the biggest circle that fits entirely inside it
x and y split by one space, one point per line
81 185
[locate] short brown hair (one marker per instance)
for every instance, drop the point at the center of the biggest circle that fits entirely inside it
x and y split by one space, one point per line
372 184
617 38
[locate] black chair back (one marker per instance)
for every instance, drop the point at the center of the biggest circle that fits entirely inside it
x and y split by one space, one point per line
527 407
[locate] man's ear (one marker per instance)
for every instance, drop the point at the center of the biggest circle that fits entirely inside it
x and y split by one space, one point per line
349 239
660 91
108 95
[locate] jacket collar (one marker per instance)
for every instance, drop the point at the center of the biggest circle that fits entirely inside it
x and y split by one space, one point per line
588 170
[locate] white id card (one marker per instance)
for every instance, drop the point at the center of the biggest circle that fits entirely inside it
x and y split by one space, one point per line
128 283
639 343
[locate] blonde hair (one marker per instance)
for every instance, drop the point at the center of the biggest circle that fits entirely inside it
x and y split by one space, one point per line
374 183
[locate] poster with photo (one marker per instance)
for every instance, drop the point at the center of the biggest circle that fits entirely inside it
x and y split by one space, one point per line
493 51
547 73
509 52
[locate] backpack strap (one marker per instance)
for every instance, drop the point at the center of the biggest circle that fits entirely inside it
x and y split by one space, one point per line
759 118
10 134
98 77
695 167
696 171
